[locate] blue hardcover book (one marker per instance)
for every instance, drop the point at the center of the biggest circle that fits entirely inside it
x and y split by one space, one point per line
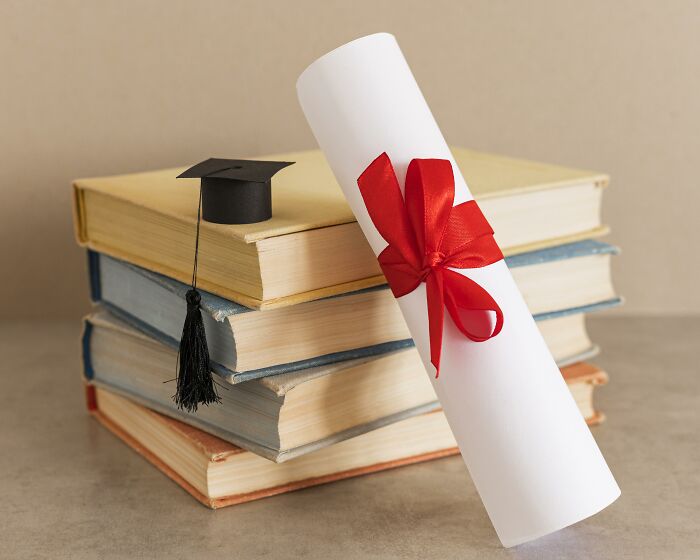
278 417
559 284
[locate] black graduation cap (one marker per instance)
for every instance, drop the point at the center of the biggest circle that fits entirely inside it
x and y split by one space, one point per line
236 191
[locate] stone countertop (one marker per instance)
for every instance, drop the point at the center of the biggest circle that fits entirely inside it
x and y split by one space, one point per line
70 489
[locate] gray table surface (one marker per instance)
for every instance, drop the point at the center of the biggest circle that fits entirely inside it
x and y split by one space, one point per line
69 489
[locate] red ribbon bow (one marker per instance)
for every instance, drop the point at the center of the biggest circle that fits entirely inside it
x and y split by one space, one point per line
426 235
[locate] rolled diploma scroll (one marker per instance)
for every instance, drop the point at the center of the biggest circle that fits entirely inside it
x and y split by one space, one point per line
531 456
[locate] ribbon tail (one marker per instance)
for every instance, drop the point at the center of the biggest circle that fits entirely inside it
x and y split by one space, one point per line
463 294
436 314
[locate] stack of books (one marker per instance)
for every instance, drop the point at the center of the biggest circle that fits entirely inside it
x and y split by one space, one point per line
318 375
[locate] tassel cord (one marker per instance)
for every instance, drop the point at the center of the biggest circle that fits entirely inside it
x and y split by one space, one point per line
195 383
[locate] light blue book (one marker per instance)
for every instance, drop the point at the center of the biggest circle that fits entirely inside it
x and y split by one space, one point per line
279 416
559 284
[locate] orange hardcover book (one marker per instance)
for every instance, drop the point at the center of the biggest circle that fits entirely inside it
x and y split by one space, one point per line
220 474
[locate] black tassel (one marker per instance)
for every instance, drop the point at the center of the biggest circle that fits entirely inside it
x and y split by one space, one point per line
195 384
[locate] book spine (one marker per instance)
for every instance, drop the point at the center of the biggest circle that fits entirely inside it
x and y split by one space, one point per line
88 371
90 397
78 208
94 278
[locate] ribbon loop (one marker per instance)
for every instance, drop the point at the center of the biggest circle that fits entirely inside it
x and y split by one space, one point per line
426 235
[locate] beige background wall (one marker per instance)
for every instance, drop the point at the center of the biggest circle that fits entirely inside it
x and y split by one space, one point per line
104 87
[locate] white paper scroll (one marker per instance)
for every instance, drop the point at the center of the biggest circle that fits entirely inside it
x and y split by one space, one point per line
529 452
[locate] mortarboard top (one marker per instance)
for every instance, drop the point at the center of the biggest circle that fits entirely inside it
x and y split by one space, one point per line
254 171
235 191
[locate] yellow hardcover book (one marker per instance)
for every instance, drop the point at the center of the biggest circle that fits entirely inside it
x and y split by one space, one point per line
312 247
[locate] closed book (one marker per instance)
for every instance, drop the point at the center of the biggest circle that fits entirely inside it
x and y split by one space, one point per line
277 417
220 474
246 343
312 247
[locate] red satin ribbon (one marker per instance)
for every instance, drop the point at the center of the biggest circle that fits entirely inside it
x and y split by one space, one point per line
426 236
